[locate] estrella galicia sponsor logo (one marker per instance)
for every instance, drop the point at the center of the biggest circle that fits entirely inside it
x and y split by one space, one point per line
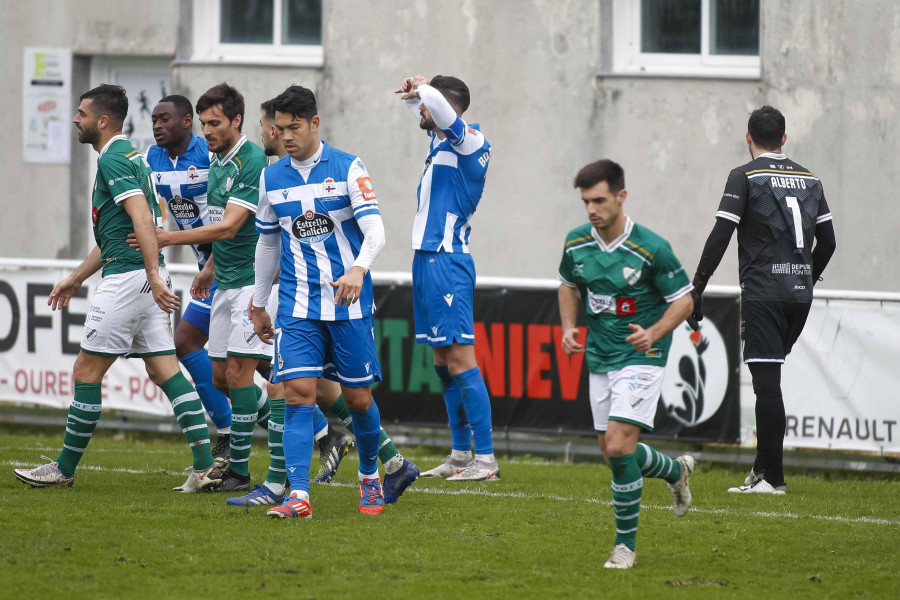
312 227
696 376
185 211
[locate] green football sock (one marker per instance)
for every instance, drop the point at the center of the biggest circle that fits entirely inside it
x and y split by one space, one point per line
84 412
263 408
627 485
657 465
386 448
277 472
190 416
243 417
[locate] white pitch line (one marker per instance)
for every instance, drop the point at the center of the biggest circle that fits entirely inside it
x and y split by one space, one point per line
524 496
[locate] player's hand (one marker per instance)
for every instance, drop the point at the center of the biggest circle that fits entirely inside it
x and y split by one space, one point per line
164 297
348 286
570 344
202 283
63 292
409 85
162 239
262 323
641 339
693 321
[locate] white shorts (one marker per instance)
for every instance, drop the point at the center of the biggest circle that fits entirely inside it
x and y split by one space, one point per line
629 394
230 329
125 319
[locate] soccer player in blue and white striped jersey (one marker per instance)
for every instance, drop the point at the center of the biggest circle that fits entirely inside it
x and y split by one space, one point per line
319 213
180 163
443 270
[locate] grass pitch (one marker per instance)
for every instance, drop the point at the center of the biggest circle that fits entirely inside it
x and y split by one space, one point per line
542 532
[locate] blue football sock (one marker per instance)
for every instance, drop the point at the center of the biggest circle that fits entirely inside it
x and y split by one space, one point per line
215 402
367 427
478 408
460 432
298 445
320 421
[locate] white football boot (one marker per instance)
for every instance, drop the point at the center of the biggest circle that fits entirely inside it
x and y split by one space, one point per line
681 493
622 558
449 468
43 476
478 471
209 477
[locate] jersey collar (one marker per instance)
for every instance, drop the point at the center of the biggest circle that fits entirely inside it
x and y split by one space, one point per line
604 247
312 160
114 138
773 155
233 151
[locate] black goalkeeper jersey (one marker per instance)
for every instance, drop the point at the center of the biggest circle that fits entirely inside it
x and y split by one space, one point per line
777 205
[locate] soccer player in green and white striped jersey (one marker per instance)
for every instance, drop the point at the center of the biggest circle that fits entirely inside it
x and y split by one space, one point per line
634 292
129 311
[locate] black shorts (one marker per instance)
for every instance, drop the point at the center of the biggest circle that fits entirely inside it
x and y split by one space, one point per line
770 329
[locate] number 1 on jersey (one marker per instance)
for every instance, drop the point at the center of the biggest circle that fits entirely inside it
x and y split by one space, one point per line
798 219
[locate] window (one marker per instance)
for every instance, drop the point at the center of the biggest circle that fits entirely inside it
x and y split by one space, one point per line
700 38
285 32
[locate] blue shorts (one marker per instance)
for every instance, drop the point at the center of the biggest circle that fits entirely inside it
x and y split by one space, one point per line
197 311
343 351
443 297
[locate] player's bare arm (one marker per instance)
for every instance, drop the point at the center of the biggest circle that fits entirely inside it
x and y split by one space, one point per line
144 231
643 339
203 280
569 299
65 289
234 218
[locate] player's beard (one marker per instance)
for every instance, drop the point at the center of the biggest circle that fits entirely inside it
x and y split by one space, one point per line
427 124
89 135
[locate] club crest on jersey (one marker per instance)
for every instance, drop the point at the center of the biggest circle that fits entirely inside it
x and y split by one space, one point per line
312 227
368 191
185 211
91 334
328 185
249 337
229 182
192 173
95 215
631 275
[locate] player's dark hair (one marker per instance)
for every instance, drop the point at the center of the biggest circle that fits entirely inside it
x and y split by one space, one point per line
268 109
602 170
454 90
297 101
181 103
231 100
766 127
109 100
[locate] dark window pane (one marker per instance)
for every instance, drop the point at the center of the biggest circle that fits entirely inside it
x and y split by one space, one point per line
247 22
734 27
670 26
301 22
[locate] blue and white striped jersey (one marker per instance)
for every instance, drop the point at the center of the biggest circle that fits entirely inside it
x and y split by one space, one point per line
316 210
182 185
450 189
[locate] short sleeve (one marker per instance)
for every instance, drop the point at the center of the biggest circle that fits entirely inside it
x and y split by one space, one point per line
361 191
669 276
120 176
245 188
566 270
734 198
266 219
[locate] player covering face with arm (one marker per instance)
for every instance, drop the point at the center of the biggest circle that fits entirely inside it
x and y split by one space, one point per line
444 272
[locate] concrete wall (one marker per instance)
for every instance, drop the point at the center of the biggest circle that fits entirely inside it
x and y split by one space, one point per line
833 68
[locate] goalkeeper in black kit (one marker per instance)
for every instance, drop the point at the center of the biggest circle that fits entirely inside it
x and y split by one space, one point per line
778 207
